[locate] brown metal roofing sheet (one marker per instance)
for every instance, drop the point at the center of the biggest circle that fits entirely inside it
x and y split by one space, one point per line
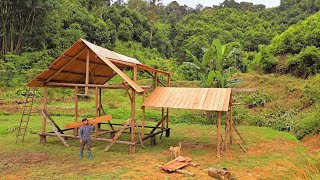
208 99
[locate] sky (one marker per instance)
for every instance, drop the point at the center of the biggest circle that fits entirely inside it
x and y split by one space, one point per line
193 3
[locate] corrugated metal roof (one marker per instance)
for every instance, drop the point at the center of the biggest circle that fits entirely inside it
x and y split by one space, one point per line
208 99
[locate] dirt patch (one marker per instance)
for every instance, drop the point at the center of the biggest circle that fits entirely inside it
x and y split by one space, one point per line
265 148
312 142
26 158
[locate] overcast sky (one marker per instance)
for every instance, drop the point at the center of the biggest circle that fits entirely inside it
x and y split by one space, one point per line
193 3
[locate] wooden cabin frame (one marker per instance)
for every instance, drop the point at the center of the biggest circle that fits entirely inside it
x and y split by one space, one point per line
85 65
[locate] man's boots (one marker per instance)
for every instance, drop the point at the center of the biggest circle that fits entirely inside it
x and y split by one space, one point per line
81 154
90 154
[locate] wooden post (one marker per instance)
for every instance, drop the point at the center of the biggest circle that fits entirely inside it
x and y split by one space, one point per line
231 120
45 108
227 129
97 111
167 120
133 110
143 121
100 102
155 80
87 72
162 115
76 100
143 115
218 135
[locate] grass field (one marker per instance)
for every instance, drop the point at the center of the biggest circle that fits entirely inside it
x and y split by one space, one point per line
271 155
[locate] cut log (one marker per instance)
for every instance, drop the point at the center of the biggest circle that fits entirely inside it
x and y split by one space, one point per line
219 173
96 120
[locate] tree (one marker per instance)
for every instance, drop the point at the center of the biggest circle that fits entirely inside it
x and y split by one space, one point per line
210 66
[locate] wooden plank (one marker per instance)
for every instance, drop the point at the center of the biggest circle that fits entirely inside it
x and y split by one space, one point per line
122 75
203 98
100 119
54 129
114 139
96 139
222 99
226 100
185 96
197 98
165 98
157 96
191 99
178 97
211 92
214 101
173 98
150 99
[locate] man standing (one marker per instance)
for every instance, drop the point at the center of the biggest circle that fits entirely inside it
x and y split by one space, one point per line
85 131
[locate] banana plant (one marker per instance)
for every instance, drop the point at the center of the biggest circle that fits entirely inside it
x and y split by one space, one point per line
210 66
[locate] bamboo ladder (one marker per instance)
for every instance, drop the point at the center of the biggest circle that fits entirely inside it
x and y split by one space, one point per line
26 113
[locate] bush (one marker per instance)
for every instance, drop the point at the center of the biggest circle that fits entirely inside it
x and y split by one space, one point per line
311 90
267 61
308 124
258 99
306 63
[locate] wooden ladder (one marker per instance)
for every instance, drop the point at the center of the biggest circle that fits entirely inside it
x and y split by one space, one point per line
54 127
26 113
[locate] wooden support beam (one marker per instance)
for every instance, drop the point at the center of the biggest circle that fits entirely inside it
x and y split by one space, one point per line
133 109
92 85
87 72
155 79
218 135
45 102
97 111
158 80
227 127
231 120
64 66
97 139
143 121
77 73
127 90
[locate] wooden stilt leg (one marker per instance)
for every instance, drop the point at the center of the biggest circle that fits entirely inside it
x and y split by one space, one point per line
218 135
133 110
45 102
76 99
226 132
143 121
231 120
97 112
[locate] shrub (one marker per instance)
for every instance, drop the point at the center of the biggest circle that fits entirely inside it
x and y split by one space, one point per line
258 99
308 124
311 90
267 61
306 63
